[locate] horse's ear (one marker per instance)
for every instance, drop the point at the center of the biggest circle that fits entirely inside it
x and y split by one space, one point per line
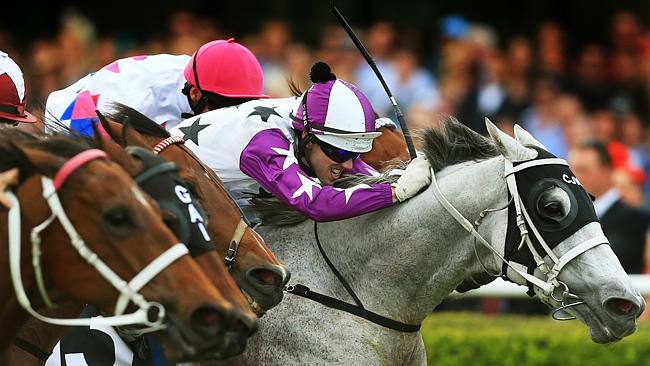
97 137
131 137
508 146
525 138
40 161
117 154
108 127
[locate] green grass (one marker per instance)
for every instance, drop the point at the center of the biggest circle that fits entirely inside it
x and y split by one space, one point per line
455 339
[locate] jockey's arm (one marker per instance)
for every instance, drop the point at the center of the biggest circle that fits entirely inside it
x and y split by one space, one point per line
269 159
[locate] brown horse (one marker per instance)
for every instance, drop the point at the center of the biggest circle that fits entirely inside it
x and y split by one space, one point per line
117 219
387 148
256 270
238 321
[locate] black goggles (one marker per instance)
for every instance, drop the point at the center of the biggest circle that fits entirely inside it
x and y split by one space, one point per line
336 154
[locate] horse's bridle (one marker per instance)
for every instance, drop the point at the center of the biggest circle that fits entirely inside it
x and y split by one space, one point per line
128 290
243 223
547 288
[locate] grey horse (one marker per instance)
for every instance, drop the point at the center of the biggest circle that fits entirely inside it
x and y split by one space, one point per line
403 261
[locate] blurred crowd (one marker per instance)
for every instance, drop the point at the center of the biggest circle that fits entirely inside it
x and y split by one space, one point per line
570 97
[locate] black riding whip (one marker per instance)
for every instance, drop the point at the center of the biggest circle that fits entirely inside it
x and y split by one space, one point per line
371 63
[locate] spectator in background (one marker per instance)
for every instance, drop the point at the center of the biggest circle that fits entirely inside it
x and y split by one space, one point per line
298 62
551 48
415 86
486 95
380 41
590 81
624 226
628 177
517 79
540 118
274 40
604 126
337 50
569 112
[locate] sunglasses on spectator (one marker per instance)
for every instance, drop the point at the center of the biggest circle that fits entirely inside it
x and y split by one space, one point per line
336 154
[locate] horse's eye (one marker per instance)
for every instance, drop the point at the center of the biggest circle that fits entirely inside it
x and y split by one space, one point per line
553 205
553 209
119 218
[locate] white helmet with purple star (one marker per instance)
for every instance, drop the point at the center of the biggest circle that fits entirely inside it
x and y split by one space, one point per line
336 112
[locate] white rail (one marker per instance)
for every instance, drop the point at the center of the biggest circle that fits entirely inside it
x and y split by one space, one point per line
501 288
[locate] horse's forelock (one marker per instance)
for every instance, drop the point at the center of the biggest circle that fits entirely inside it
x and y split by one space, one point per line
15 143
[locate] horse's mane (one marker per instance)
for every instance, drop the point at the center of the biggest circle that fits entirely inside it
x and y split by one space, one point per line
450 143
120 113
454 143
56 144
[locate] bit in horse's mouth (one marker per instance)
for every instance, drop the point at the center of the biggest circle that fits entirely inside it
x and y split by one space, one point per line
255 307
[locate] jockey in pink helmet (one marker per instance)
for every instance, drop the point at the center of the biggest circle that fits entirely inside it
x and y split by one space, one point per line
165 88
221 74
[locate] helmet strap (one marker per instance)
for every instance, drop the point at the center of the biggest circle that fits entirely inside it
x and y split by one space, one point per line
300 152
196 108
200 105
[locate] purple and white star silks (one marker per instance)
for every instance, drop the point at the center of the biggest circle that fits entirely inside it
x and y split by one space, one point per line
268 158
249 153
290 157
348 191
307 187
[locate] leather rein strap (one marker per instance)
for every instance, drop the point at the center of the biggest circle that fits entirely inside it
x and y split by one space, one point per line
334 303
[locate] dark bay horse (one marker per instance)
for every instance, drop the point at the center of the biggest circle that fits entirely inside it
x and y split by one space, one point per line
117 218
387 148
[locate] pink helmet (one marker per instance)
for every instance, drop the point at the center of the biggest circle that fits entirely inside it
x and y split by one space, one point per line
226 68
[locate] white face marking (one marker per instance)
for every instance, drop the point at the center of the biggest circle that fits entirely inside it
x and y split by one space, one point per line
139 195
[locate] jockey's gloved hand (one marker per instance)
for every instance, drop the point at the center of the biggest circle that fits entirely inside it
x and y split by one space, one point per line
416 176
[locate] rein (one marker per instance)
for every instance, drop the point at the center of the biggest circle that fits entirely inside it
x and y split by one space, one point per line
358 309
128 291
243 223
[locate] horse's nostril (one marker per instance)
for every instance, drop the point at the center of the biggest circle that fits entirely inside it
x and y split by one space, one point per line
620 306
208 317
266 277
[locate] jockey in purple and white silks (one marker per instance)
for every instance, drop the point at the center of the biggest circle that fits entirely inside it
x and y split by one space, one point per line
165 88
295 148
